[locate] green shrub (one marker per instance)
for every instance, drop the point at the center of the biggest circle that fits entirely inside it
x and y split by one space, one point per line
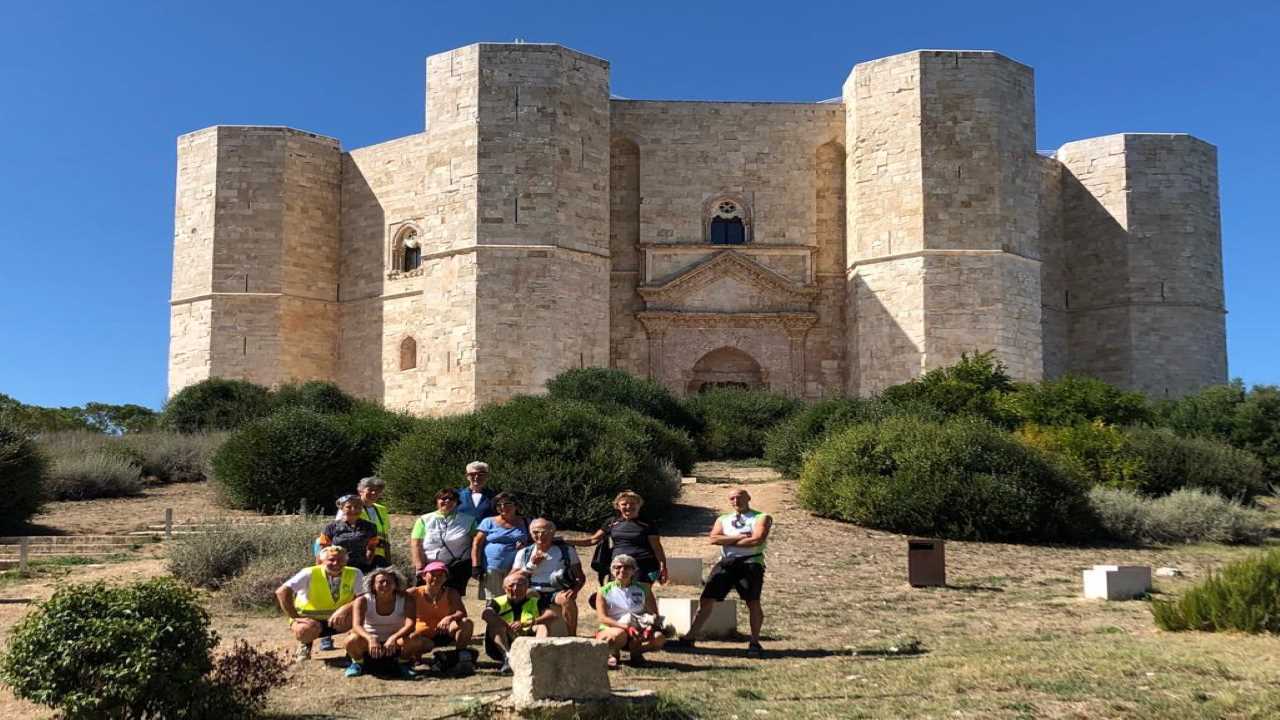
216 404
976 385
211 559
664 442
274 463
564 460
736 421
1074 401
240 681
97 651
314 395
1244 596
91 476
962 479
1170 462
1094 453
788 442
22 477
372 429
169 457
603 386
1185 516
1248 420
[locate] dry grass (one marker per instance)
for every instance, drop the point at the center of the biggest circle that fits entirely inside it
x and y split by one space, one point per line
1009 638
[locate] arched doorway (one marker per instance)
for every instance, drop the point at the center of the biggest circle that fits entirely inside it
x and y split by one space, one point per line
726 367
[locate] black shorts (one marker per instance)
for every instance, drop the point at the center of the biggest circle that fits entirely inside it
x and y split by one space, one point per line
440 639
647 571
459 574
326 630
746 578
493 651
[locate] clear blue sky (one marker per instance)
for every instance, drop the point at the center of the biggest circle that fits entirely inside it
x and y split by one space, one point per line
93 94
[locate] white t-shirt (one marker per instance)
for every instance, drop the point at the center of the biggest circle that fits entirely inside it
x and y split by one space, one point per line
476 498
540 574
300 584
620 601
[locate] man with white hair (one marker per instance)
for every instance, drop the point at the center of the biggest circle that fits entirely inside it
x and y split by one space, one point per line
317 599
554 570
475 499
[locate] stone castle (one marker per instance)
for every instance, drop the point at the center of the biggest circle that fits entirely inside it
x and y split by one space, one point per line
538 224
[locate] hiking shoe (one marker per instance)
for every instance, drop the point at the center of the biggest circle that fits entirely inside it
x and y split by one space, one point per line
466 664
404 672
303 653
505 669
326 644
637 660
754 650
354 670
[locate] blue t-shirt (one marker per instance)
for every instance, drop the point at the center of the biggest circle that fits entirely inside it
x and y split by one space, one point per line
500 542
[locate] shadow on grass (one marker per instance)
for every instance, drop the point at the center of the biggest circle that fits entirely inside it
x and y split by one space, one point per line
33 530
654 664
769 654
974 588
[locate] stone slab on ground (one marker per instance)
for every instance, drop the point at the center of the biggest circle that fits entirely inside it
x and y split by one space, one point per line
1117 582
558 669
680 612
684 571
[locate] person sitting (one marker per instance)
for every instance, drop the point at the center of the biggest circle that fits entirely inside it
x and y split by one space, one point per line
474 498
518 613
554 570
628 614
444 535
357 536
627 534
318 599
494 548
441 618
382 619
370 490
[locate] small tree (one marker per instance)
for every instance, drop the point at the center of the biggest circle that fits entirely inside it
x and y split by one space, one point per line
22 474
216 404
974 386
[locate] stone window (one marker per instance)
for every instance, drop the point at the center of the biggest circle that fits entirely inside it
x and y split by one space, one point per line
408 354
727 222
406 251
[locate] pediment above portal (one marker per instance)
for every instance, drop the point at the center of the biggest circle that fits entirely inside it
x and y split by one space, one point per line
729 282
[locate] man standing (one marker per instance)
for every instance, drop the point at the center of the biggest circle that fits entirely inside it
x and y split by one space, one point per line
741 535
554 570
475 499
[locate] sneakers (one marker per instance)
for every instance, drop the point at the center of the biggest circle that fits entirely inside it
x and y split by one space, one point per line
355 669
303 653
506 668
326 644
754 650
466 664
404 672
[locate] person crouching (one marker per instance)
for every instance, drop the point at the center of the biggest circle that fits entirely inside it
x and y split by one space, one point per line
382 619
518 613
628 614
318 599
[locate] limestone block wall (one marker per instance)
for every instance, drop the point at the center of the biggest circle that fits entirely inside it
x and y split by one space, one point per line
942 166
256 228
1053 270
1141 217
784 161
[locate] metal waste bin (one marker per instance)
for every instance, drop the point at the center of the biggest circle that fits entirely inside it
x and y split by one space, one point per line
926 562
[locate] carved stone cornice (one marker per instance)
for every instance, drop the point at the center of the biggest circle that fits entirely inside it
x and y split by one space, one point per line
658 321
729 264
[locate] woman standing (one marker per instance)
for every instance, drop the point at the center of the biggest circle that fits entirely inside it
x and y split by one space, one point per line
628 614
357 536
496 542
444 535
382 619
627 534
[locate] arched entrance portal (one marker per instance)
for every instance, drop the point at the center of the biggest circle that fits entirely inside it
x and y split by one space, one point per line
726 367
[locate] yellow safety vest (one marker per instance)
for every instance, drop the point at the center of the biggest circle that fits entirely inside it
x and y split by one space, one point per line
319 603
382 522
528 613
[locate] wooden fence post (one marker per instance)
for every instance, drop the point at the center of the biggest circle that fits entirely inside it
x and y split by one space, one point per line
168 523
22 554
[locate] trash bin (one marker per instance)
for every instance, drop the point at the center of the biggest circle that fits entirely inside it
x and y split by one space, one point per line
926 563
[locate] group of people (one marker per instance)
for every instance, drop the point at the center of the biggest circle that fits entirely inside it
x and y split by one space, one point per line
529 577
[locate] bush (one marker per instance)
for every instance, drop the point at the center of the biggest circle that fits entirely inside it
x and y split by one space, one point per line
602 386
241 680
736 421
274 463
1183 516
564 460
22 477
168 457
664 442
974 386
216 404
1171 462
372 429
962 479
787 444
1094 453
314 395
1243 596
1248 420
1075 401
92 476
211 559
95 651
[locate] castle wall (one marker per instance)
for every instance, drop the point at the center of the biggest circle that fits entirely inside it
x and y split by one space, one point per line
191 321
1054 324
784 161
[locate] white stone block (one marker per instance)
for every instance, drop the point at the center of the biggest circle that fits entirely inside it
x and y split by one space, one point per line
558 669
680 612
1117 582
684 571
